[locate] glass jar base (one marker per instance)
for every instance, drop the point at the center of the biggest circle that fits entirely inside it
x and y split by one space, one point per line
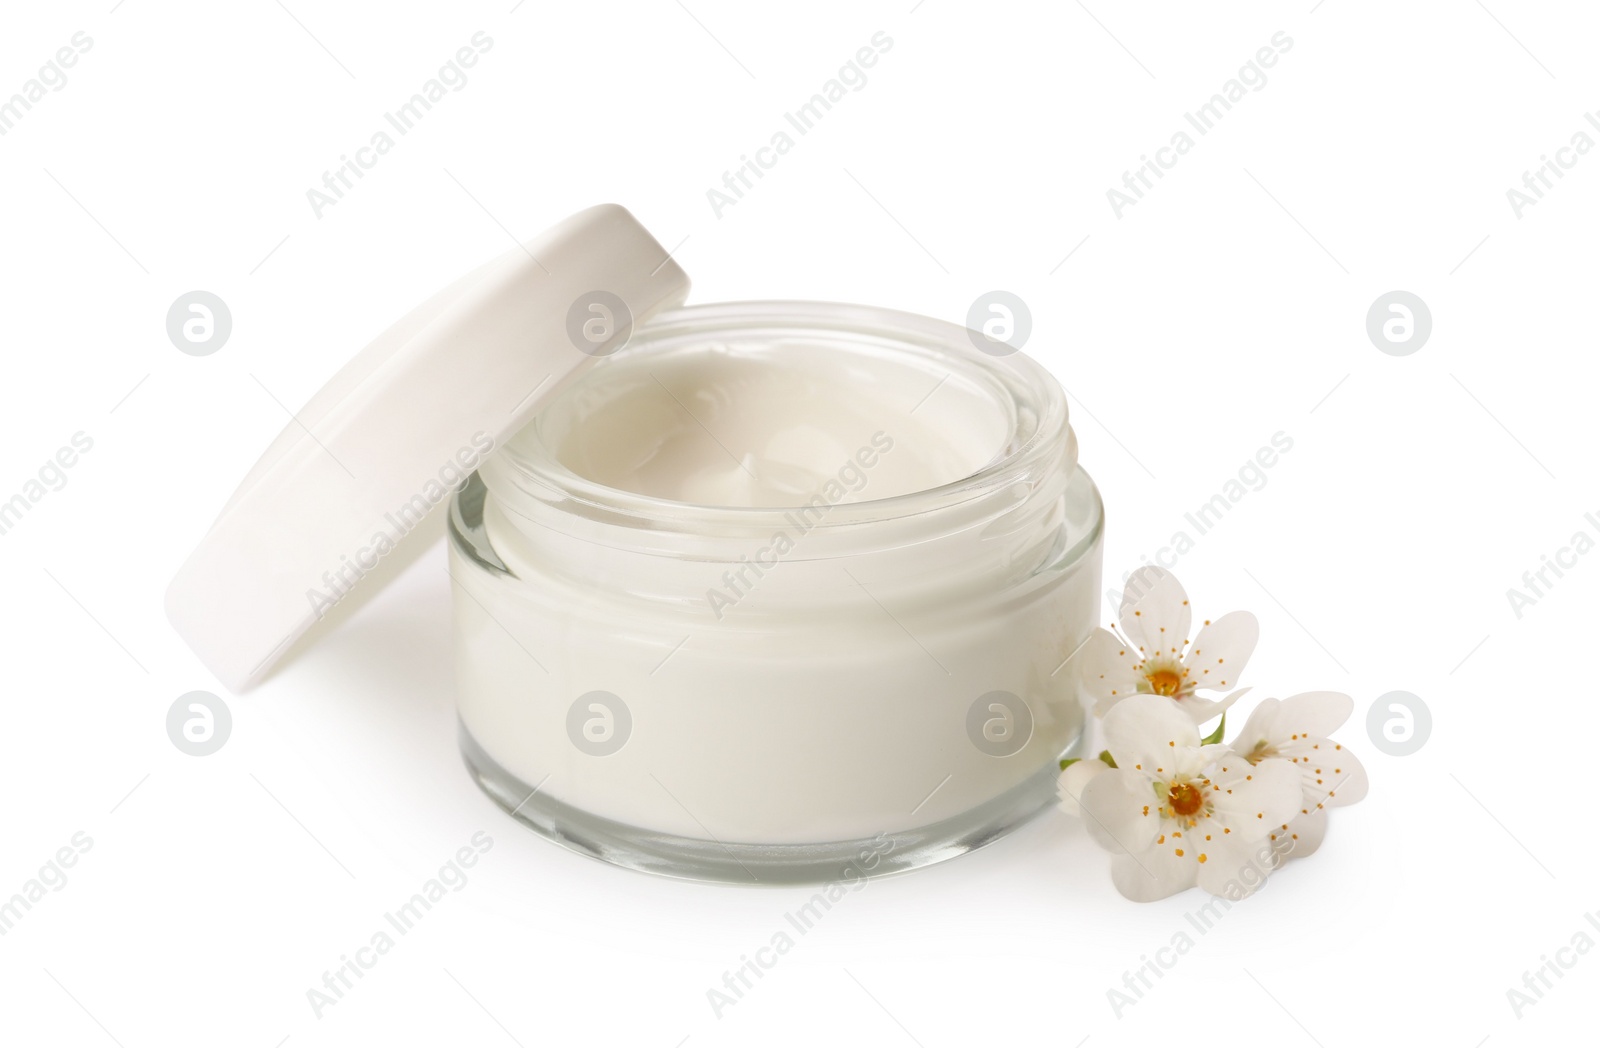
757 864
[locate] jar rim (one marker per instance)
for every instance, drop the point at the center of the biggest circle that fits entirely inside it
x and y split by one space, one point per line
1041 438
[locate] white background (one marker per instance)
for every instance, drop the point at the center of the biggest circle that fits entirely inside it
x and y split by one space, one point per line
1226 306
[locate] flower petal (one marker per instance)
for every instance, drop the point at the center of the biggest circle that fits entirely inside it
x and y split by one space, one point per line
1106 670
1201 710
1141 731
1317 713
1251 799
1155 612
1235 869
1330 776
1074 778
1152 875
1119 811
1302 836
1221 649
1260 729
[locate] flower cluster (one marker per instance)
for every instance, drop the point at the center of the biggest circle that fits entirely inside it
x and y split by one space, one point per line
1177 810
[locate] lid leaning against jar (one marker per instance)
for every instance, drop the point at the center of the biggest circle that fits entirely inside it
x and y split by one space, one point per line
383 443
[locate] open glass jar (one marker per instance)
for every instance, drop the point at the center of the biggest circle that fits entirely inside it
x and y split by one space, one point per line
783 592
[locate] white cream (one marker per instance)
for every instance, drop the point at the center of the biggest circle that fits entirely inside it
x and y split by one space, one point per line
791 556
717 428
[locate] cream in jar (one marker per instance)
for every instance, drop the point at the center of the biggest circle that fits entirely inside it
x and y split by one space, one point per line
778 584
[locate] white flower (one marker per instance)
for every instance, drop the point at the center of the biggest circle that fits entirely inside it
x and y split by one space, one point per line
1296 730
1176 813
1074 778
1153 655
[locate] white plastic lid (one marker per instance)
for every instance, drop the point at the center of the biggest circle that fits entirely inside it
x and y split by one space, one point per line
384 444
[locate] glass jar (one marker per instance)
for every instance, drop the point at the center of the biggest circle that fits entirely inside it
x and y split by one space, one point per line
783 592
